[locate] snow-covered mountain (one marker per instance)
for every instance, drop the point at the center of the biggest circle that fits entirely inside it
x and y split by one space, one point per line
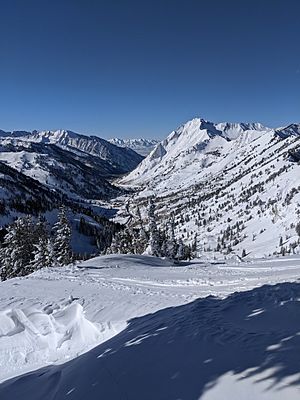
236 186
141 146
75 165
75 174
120 159
196 142
39 171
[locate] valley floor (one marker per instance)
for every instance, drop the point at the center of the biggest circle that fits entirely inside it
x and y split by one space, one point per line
138 327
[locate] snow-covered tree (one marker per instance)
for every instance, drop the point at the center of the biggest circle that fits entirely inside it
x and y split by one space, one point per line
62 239
195 245
153 245
17 249
114 248
125 241
43 254
180 250
172 245
142 241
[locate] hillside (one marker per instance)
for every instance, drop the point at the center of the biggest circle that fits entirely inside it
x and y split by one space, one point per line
118 159
234 185
40 171
75 174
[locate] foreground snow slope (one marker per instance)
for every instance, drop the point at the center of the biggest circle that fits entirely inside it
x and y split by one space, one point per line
163 331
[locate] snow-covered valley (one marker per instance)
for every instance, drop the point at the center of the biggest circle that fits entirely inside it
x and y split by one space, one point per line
195 292
151 329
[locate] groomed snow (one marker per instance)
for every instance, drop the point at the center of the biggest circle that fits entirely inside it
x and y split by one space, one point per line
158 331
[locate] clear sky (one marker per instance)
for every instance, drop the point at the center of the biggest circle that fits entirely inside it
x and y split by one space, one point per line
140 68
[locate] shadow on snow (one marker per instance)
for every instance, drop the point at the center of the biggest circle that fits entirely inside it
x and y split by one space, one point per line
180 352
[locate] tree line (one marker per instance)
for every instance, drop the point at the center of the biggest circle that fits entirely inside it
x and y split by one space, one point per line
140 237
28 246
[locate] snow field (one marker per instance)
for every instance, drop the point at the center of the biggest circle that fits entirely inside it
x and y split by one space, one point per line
56 314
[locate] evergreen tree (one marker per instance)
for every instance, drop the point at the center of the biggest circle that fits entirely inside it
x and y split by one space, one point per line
172 245
142 237
125 239
44 254
114 248
297 228
62 239
153 245
18 248
180 250
195 245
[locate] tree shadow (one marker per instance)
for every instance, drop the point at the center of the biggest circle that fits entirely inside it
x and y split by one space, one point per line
181 352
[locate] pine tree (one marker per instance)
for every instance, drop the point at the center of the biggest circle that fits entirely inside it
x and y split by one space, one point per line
297 228
153 245
44 254
280 241
180 250
18 248
125 239
114 248
62 239
142 237
195 245
171 240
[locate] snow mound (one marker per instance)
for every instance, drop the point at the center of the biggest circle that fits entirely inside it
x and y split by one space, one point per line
126 261
32 337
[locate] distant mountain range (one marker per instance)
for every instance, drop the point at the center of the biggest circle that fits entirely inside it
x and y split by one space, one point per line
74 164
141 146
234 185
39 171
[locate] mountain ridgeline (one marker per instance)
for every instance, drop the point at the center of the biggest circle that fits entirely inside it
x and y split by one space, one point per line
40 171
233 187
141 146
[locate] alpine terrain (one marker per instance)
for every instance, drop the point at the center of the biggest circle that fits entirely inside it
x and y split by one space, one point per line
141 146
172 275
234 188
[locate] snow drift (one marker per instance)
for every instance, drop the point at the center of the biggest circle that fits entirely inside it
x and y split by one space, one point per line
242 347
33 337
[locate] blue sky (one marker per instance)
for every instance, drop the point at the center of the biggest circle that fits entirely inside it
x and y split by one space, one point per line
141 68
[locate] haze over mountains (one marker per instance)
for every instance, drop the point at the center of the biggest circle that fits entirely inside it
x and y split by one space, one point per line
141 146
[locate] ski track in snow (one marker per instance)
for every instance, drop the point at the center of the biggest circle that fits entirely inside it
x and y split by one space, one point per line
54 315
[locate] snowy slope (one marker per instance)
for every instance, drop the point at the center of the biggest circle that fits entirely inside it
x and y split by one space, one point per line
75 174
122 160
141 146
196 143
163 331
234 185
